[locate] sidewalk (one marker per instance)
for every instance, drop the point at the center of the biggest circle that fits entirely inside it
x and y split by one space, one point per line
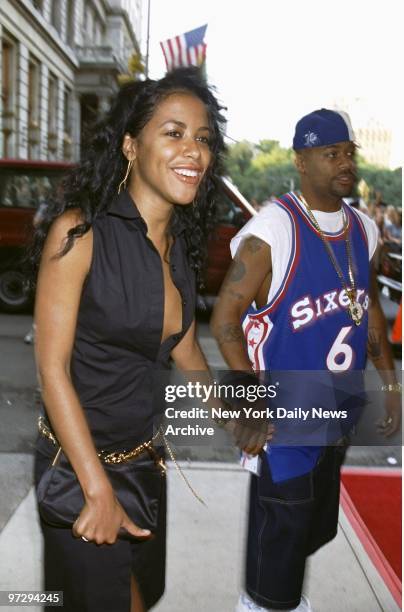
205 551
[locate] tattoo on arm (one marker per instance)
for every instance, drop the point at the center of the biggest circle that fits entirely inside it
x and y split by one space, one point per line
254 244
230 332
234 294
237 271
374 343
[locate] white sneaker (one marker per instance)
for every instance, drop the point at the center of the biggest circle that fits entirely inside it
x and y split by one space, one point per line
245 604
29 338
304 605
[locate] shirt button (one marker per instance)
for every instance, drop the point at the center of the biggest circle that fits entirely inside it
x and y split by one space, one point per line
173 267
184 302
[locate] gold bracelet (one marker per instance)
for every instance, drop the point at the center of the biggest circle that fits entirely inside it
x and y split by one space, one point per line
392 387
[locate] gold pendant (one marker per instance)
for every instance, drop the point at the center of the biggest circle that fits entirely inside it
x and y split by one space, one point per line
356 312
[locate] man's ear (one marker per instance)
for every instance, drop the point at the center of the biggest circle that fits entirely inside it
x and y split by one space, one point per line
300 162
129 147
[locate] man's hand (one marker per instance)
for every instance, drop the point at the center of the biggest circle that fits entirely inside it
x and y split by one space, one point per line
392 420
252 437
251 434
380 353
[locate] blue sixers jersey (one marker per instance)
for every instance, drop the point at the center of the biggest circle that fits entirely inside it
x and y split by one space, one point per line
307 325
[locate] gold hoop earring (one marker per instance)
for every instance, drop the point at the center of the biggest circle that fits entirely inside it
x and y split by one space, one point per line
123 182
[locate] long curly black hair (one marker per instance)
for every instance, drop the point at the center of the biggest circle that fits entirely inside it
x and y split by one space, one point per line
93 183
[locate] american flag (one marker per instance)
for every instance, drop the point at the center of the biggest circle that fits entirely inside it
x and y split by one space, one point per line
186 49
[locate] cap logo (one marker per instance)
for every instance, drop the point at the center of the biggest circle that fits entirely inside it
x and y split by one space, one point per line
321 128
310 139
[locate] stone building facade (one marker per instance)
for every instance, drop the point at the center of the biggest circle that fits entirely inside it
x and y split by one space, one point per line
60 60
374 136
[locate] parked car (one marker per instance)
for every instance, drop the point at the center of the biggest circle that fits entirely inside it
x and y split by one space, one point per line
389 273
233 210
24 185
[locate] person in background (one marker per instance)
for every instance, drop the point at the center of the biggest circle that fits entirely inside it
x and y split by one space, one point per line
379 220
392 226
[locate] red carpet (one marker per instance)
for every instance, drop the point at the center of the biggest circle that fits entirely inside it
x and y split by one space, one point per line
376 495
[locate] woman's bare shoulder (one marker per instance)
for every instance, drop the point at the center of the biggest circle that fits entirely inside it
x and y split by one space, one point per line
69 219
81 250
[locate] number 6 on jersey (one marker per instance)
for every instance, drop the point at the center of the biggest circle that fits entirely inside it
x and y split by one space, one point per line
340 350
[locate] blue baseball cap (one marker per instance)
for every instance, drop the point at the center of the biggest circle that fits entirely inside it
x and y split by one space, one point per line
321 128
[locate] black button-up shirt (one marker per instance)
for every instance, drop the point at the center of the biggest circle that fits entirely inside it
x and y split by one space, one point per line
117 350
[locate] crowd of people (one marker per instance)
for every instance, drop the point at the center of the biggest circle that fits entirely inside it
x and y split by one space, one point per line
388 221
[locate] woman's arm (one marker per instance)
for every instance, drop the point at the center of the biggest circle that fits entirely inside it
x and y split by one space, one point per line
188 355
60 283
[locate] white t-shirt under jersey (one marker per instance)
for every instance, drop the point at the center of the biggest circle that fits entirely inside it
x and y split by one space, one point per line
273 225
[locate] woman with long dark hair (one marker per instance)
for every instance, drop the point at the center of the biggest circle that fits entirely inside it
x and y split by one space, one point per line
118 255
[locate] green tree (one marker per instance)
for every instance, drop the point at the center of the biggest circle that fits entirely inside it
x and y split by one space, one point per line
261 170
239 157
270 152
387 182
135 69
268 169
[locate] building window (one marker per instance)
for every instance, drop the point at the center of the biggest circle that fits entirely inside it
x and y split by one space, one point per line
52 103
33 107
95 31
89 24
52 113
71 8
67 124
56 15
38 4
67 98
33 92
8 92
9 77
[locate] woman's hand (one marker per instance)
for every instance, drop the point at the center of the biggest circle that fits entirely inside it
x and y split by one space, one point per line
102 518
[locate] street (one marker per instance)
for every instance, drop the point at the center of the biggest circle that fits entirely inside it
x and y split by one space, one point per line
19 410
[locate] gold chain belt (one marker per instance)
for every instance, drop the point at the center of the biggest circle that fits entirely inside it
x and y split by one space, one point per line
124 456
112 458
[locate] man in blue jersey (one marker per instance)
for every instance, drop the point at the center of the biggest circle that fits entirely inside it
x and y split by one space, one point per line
300 296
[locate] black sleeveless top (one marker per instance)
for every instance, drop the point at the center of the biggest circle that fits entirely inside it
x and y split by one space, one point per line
118 356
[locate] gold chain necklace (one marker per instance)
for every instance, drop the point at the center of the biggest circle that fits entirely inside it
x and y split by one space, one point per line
354 308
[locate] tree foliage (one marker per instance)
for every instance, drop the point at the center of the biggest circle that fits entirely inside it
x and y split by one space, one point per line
387 182
135 69
265 169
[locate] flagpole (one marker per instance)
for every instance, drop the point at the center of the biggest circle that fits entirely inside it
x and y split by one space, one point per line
148 39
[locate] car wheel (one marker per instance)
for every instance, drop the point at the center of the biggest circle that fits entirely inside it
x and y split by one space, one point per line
14 294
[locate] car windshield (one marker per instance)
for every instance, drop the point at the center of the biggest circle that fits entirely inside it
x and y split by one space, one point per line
227 213
27 188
